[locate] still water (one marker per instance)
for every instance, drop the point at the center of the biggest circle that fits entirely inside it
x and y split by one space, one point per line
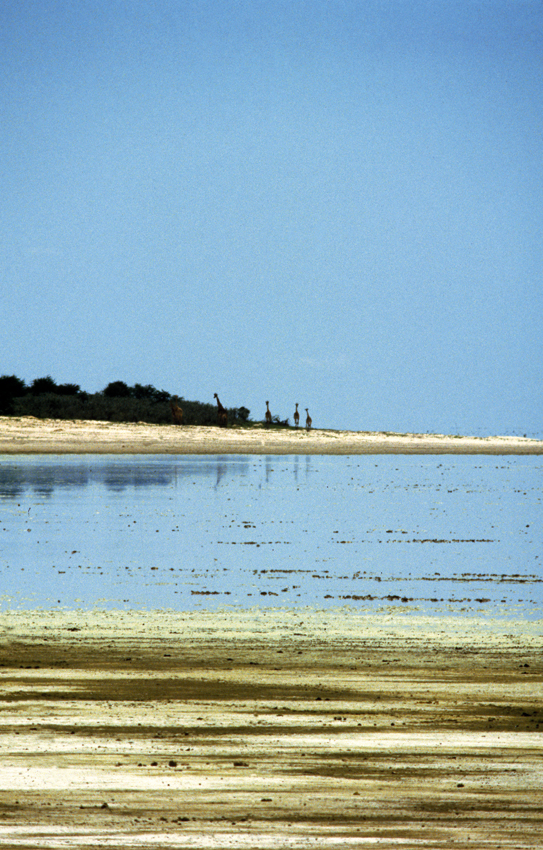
440 534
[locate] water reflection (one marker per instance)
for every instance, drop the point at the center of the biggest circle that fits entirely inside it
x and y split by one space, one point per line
390 532
43 475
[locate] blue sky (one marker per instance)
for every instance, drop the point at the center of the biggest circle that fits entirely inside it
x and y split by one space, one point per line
336 202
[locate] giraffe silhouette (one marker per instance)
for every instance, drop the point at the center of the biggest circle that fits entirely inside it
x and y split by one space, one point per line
308 421
296 415
177 412
222 415
268 414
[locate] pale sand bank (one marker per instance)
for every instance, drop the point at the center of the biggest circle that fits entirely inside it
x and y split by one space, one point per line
27 435
230 623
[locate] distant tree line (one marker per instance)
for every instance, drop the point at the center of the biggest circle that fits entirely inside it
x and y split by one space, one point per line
117 402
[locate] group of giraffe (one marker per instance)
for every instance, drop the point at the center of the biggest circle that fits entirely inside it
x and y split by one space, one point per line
308 420
222 415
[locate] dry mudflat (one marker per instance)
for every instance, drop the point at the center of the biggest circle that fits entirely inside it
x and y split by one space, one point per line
29 435
269 729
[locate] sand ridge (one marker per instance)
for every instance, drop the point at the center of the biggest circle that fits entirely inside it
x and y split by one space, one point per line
28 435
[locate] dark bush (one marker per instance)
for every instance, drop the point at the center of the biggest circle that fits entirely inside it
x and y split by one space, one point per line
39 386
50 406
68 389
116 403
243 413
149 392
10 388
280 423
117 389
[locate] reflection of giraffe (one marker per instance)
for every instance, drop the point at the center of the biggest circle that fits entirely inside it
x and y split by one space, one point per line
308 421
221 469
268 414
222 416
296 415
177 412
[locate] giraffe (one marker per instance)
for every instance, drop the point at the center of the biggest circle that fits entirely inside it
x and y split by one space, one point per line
296 415
177 412
268 414
308 421
222 415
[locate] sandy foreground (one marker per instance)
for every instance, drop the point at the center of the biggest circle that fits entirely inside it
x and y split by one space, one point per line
269 729
29 435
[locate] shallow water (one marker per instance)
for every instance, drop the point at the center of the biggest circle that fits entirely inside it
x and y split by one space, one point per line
439 534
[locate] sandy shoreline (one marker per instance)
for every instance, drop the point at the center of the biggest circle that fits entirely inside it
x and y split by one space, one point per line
268 730
27 435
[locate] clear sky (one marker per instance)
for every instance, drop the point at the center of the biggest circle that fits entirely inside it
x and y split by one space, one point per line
331 202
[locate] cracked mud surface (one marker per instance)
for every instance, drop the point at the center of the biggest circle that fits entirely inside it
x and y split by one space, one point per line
286 732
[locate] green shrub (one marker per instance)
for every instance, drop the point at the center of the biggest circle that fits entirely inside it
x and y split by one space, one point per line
116 403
